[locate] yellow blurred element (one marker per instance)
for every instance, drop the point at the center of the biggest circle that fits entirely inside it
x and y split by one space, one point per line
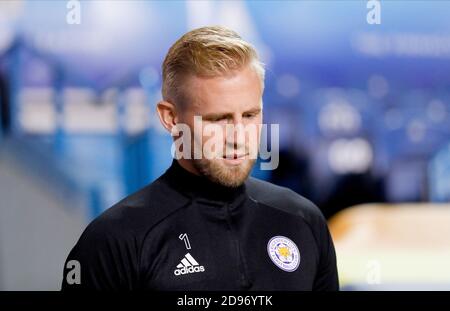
393 244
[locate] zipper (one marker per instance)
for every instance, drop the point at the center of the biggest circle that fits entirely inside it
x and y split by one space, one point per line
243 278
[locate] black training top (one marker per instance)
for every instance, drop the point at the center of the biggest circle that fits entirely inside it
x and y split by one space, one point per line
183 232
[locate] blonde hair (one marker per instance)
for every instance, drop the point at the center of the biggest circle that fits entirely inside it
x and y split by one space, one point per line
206 52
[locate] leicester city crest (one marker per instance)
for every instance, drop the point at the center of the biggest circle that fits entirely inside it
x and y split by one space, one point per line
284 253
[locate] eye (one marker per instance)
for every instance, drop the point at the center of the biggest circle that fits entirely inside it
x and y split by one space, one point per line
250 115
218 119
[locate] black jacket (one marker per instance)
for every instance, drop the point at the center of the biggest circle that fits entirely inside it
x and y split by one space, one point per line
183 232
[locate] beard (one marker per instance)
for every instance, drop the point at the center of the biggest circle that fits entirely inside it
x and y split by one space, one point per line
226 175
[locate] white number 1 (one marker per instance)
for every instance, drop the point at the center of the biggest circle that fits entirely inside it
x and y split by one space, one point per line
185 238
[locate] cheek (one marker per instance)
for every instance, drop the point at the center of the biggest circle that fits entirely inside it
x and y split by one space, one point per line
255 136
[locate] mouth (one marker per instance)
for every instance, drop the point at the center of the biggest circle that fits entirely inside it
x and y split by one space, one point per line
234 159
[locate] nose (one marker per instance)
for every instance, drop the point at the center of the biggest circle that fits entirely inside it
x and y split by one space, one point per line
235 133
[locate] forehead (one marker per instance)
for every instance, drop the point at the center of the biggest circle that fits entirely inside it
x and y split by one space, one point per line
237 91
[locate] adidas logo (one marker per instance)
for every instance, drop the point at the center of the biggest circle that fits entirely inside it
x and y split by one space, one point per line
188 265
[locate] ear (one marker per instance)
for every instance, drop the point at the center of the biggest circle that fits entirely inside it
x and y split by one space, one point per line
167 114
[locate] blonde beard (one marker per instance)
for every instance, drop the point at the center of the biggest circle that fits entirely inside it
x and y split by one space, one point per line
228 176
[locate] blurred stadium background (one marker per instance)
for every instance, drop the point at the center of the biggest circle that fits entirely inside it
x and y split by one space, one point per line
363 109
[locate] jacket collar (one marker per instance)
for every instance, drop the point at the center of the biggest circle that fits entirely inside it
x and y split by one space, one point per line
200 188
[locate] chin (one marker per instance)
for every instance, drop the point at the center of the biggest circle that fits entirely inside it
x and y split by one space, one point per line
221 172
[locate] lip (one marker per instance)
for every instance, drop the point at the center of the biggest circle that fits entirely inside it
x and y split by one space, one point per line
236 160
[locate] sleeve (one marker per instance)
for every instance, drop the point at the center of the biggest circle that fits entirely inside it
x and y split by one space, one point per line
327 275
104 258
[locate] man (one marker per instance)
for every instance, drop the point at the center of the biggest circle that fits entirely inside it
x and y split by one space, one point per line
205 224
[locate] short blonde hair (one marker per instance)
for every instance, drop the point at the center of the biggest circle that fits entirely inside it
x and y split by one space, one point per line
207 52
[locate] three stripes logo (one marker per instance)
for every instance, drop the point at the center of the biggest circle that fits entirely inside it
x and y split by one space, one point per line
188 265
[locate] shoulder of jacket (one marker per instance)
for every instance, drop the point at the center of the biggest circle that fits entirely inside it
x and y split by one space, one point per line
284 199
137 213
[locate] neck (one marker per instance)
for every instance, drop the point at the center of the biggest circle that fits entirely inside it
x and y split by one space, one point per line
199 186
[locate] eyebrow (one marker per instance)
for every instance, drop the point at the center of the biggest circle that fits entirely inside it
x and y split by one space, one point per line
213 116
254 110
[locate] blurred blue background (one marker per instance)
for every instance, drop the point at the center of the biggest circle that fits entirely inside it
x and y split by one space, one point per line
363 109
